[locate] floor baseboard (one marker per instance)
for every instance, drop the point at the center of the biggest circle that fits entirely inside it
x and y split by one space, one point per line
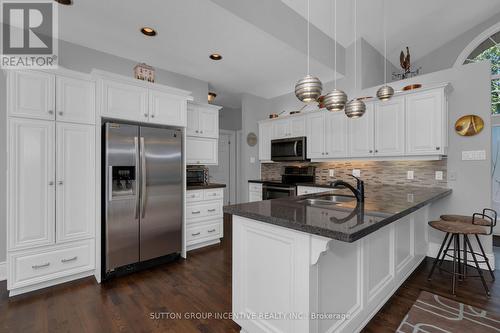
3 271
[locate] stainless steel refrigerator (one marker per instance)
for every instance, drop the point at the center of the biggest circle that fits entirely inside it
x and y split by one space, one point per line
143 194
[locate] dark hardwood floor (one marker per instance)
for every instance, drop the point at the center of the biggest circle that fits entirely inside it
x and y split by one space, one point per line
200 284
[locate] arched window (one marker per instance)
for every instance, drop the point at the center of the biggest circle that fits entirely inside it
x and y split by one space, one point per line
489 49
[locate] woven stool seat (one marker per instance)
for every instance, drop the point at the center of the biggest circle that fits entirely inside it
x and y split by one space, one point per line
456 227
465 219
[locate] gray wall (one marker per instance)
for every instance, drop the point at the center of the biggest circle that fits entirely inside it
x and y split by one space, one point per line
446 55
230 118
472 188
3 165
84 59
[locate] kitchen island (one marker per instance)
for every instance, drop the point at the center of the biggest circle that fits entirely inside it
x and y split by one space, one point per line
301 265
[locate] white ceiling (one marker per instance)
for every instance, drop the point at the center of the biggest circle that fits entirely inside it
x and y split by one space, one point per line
423 25
255 61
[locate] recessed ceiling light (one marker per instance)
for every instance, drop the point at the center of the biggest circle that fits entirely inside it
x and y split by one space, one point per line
215 56
148 31
65 2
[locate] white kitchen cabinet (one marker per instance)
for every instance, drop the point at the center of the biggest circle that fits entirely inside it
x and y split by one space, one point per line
315 128
336 135
426 121
124 101
297 126
201 151
281 129
31 95
204 217
289 128
75 100
203 120
390 127
265 137
301 190
361 137
31 201
75 171
165 108
254 192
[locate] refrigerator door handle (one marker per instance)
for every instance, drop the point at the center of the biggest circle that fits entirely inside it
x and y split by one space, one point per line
137 196
143 180
110 183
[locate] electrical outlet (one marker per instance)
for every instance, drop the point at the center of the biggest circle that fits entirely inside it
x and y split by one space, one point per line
252 160
356 172
409 174
331 173
439 175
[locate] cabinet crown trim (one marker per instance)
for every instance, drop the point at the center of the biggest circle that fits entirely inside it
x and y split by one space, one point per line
206 106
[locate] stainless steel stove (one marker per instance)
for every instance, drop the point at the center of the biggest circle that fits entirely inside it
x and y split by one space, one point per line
290 177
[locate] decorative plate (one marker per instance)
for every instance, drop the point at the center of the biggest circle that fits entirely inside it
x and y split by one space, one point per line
469 125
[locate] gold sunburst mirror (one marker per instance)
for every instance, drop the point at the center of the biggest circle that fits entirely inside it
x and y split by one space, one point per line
469 125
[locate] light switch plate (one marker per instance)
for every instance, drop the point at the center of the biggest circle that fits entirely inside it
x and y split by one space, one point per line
331 172
473 155
356 172
409 174
439 175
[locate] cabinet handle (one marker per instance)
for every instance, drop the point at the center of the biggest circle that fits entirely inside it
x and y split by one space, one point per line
68 260
376 150
195 234
60 182
326 153
197 131
201 131
51 112
41 266
211 210
60 113
322 153
145 115
51 183
213 230
371 151
197 212
214 194
193 196
437 148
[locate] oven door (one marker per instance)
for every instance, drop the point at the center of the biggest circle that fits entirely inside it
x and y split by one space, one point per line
275 191
292 149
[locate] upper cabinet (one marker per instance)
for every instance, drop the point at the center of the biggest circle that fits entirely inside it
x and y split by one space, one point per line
389 129
125 98
326 135
64 97
203 120
361 138
425 118
289 128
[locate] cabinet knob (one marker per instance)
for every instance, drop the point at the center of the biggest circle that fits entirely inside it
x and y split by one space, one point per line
376 150
371 151
145 115
51 183
60 113
437 148
326 153
51 112
201 131
197 131
152 116
60 182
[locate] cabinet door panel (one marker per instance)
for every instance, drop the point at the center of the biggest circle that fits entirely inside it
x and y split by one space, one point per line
297 127
390 127
424 123
281 129
361 137
193 120
75 100
124 101
166 109
201 151
315 135
336 135
75 204
32 94
208 123
31 183
265 135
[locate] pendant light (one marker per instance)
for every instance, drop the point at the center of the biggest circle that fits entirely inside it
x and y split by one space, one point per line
336 99
385 92
308 89
355 108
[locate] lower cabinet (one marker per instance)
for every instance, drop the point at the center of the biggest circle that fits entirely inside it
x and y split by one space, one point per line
204 217
201 151
254 192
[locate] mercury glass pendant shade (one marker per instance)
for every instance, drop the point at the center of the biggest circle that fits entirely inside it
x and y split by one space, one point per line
335 100
308 89
385 92
355 108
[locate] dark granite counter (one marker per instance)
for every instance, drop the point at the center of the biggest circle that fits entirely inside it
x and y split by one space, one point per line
205 187
346 221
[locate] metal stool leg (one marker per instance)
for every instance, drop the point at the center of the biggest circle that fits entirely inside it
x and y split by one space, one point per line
459 259
445 251
477 266
485 258
465 260
439 254
454 275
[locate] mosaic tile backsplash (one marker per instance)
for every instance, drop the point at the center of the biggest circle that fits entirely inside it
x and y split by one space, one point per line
372 172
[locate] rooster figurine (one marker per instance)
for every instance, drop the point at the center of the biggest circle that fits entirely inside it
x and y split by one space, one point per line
405 60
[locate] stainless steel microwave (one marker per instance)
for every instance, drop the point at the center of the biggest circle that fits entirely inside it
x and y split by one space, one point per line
289 149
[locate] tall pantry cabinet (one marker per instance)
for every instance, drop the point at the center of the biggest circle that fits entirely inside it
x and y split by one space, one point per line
51 178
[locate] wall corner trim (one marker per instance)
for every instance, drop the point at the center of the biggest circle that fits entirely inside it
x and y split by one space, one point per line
3 270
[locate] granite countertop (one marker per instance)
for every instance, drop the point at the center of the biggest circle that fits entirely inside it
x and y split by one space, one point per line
346 221
205 187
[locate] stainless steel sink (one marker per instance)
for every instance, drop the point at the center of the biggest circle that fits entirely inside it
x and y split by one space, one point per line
329 199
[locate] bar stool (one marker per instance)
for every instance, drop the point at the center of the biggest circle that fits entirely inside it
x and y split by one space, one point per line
456 225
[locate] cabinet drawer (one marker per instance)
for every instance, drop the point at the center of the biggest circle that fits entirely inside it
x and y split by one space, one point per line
217 193
192 196
204 231
208 209
32 267
255 187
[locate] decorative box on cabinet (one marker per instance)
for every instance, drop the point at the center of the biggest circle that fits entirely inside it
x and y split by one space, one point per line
204 217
